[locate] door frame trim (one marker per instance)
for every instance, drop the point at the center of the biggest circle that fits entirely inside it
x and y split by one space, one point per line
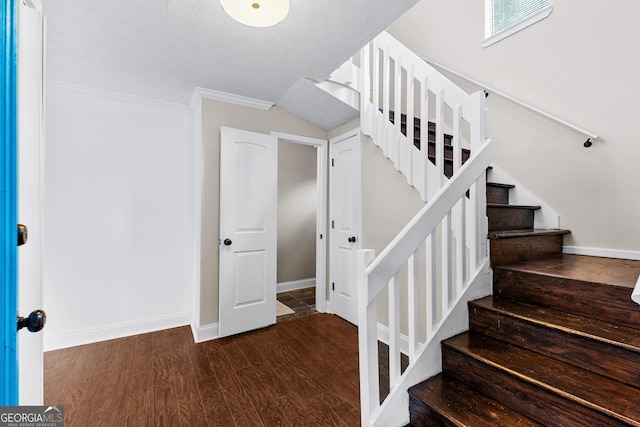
339 138
321 216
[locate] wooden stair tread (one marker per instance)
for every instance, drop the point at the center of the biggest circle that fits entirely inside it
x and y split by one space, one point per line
504 206
597 392
498 184
585 327
510 234
608 271
463 406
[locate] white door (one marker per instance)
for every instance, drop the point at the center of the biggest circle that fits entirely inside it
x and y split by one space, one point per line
345 223
248 236
30 195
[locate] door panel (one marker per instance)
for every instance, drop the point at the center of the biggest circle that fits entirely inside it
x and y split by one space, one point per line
346 220
250 286
248 222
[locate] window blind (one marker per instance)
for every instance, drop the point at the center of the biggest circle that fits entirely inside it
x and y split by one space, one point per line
505 13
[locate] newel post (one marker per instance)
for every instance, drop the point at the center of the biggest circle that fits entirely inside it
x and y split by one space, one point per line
367 340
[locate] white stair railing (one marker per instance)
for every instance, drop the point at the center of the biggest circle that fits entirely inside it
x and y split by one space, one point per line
450 230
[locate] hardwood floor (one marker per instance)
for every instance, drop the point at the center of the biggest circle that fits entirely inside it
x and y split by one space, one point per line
295 373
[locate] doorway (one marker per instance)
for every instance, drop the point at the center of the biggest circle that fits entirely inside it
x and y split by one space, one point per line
298 189
249 228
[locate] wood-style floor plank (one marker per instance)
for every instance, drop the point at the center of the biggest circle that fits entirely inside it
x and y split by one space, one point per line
300 372
138 408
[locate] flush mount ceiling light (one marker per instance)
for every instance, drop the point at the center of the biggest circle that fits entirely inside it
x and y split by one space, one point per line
256 13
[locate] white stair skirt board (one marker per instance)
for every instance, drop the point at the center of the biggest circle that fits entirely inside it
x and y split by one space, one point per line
121 330
296 284
282 309
605 253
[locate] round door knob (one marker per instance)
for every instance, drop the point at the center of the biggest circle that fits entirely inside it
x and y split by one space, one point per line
352 239
35 322
227 242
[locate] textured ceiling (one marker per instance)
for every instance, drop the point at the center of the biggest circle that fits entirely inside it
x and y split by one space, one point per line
162 49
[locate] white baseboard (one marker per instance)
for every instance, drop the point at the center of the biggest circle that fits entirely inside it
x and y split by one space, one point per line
205 333
88 336
383 335
296 284
606 253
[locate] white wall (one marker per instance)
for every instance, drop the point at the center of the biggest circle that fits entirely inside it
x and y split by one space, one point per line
118 216
580 64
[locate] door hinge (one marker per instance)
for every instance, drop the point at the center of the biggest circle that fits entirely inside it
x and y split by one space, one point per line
332 162
333 286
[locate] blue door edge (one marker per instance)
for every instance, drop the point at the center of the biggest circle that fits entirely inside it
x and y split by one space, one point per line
8 204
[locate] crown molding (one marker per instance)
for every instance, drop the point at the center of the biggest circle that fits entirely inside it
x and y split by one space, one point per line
200 93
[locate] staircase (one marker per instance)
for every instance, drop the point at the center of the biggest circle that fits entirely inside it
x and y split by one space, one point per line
558 343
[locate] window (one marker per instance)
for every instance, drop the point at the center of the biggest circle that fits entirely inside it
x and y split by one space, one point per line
505 17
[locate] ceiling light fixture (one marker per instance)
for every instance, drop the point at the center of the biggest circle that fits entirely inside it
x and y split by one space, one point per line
256 13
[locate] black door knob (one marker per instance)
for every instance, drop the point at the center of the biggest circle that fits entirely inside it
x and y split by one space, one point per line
227 242
22 234
35 322
352 239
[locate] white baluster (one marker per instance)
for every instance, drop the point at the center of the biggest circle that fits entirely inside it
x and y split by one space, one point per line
472 240
446 260
394 130
409 148
430 282
384 124
440 136
424 136
414 305
365 90
394 330
368 341
460 211
455 142
375 87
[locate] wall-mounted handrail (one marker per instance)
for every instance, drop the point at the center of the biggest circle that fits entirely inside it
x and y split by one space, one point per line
588 134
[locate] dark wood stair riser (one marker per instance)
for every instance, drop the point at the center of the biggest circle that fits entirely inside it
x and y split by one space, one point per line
525 397
422 415
608 303
510 218
516 249
497 194
597 356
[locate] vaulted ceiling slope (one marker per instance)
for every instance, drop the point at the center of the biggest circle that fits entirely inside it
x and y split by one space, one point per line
163 49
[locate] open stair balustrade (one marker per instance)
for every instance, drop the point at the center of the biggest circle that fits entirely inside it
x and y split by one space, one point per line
441 255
